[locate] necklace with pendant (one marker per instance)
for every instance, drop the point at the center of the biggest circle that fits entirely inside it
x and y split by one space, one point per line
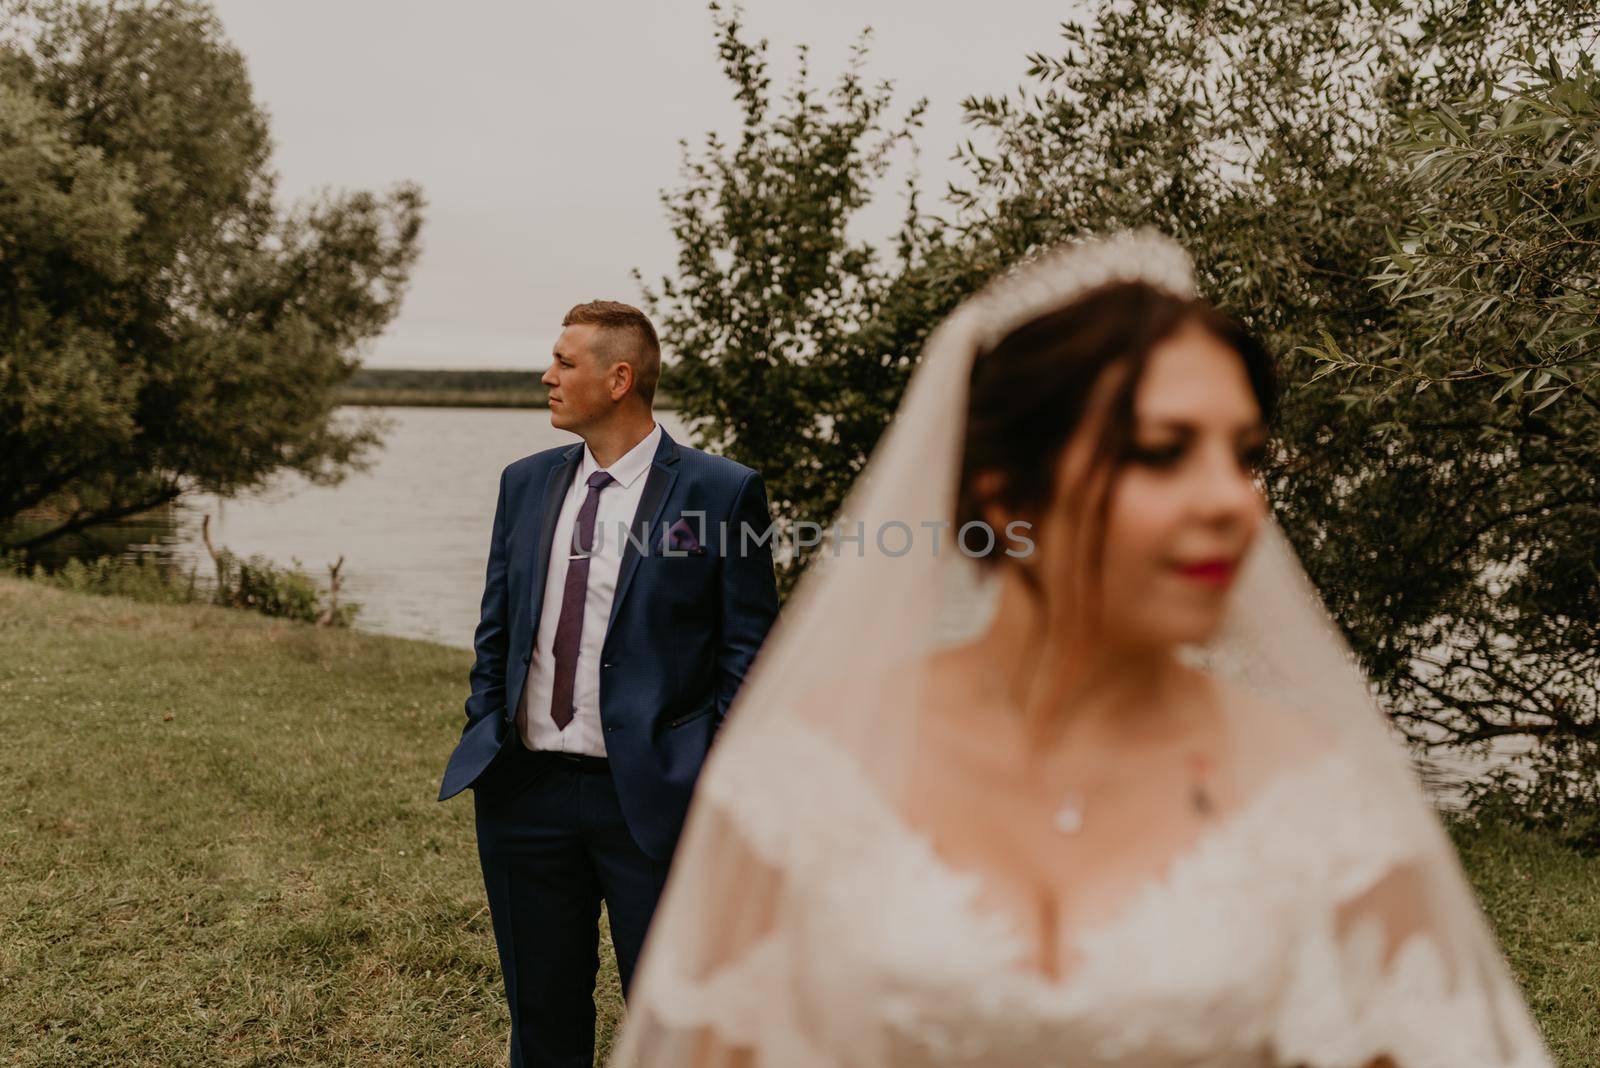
1069 817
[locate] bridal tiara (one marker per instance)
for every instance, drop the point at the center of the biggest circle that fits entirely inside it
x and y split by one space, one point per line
1055 278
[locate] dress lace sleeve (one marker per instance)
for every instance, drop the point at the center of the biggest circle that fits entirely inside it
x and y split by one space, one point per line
1375 972
719 984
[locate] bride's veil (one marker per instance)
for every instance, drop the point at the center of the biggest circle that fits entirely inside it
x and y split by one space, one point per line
721 978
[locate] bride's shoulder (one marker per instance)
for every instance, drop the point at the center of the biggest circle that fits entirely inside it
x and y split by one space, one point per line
800 777
815 720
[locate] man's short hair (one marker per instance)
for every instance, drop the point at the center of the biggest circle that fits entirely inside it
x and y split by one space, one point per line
626 335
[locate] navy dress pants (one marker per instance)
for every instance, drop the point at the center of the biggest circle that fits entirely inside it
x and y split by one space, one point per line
554 845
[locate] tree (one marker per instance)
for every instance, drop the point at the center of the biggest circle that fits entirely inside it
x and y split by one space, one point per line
773 306
1498 269
1267 138
166 327
1495 279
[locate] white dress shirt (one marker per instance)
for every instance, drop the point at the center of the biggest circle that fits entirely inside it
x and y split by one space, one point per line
618 503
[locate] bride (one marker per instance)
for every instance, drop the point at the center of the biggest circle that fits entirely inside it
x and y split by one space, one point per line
1055 757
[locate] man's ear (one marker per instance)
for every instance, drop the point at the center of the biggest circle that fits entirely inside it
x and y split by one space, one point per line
622 379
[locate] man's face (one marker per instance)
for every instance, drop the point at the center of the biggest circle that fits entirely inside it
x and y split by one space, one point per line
579 380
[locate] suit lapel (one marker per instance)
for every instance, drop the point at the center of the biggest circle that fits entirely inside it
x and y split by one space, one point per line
657 486
555 489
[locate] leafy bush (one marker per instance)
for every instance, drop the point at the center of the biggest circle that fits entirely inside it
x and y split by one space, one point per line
1555 789
256 584
139 578
262 586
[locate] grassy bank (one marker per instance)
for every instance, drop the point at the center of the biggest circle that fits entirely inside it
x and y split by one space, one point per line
1544 900
219 846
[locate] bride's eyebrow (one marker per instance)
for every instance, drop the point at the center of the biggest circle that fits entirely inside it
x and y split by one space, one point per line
1186 428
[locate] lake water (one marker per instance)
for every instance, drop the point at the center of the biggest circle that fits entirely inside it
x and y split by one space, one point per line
414 529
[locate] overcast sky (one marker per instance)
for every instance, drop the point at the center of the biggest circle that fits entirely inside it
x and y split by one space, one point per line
542 133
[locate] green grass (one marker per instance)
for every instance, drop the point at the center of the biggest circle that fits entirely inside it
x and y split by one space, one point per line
264 877
1544 901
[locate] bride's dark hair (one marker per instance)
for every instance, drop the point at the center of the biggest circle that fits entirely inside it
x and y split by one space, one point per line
1029 395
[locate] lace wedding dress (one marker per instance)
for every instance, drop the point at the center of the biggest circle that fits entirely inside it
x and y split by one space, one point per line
1248 951
1321 920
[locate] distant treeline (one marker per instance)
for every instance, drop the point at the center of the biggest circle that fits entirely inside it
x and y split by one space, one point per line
466 381
452 388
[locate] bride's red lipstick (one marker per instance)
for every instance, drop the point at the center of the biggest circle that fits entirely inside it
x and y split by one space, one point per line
1217 572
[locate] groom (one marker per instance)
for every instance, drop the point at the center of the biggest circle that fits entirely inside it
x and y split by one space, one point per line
618 622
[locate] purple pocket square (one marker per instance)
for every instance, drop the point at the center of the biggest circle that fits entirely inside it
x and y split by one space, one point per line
681 538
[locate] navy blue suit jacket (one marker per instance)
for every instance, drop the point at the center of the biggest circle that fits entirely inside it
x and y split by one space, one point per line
683 631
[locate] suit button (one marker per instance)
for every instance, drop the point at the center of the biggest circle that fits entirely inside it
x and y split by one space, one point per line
606 664
610 727
527 658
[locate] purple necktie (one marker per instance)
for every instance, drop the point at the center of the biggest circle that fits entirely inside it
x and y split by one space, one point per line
569 629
